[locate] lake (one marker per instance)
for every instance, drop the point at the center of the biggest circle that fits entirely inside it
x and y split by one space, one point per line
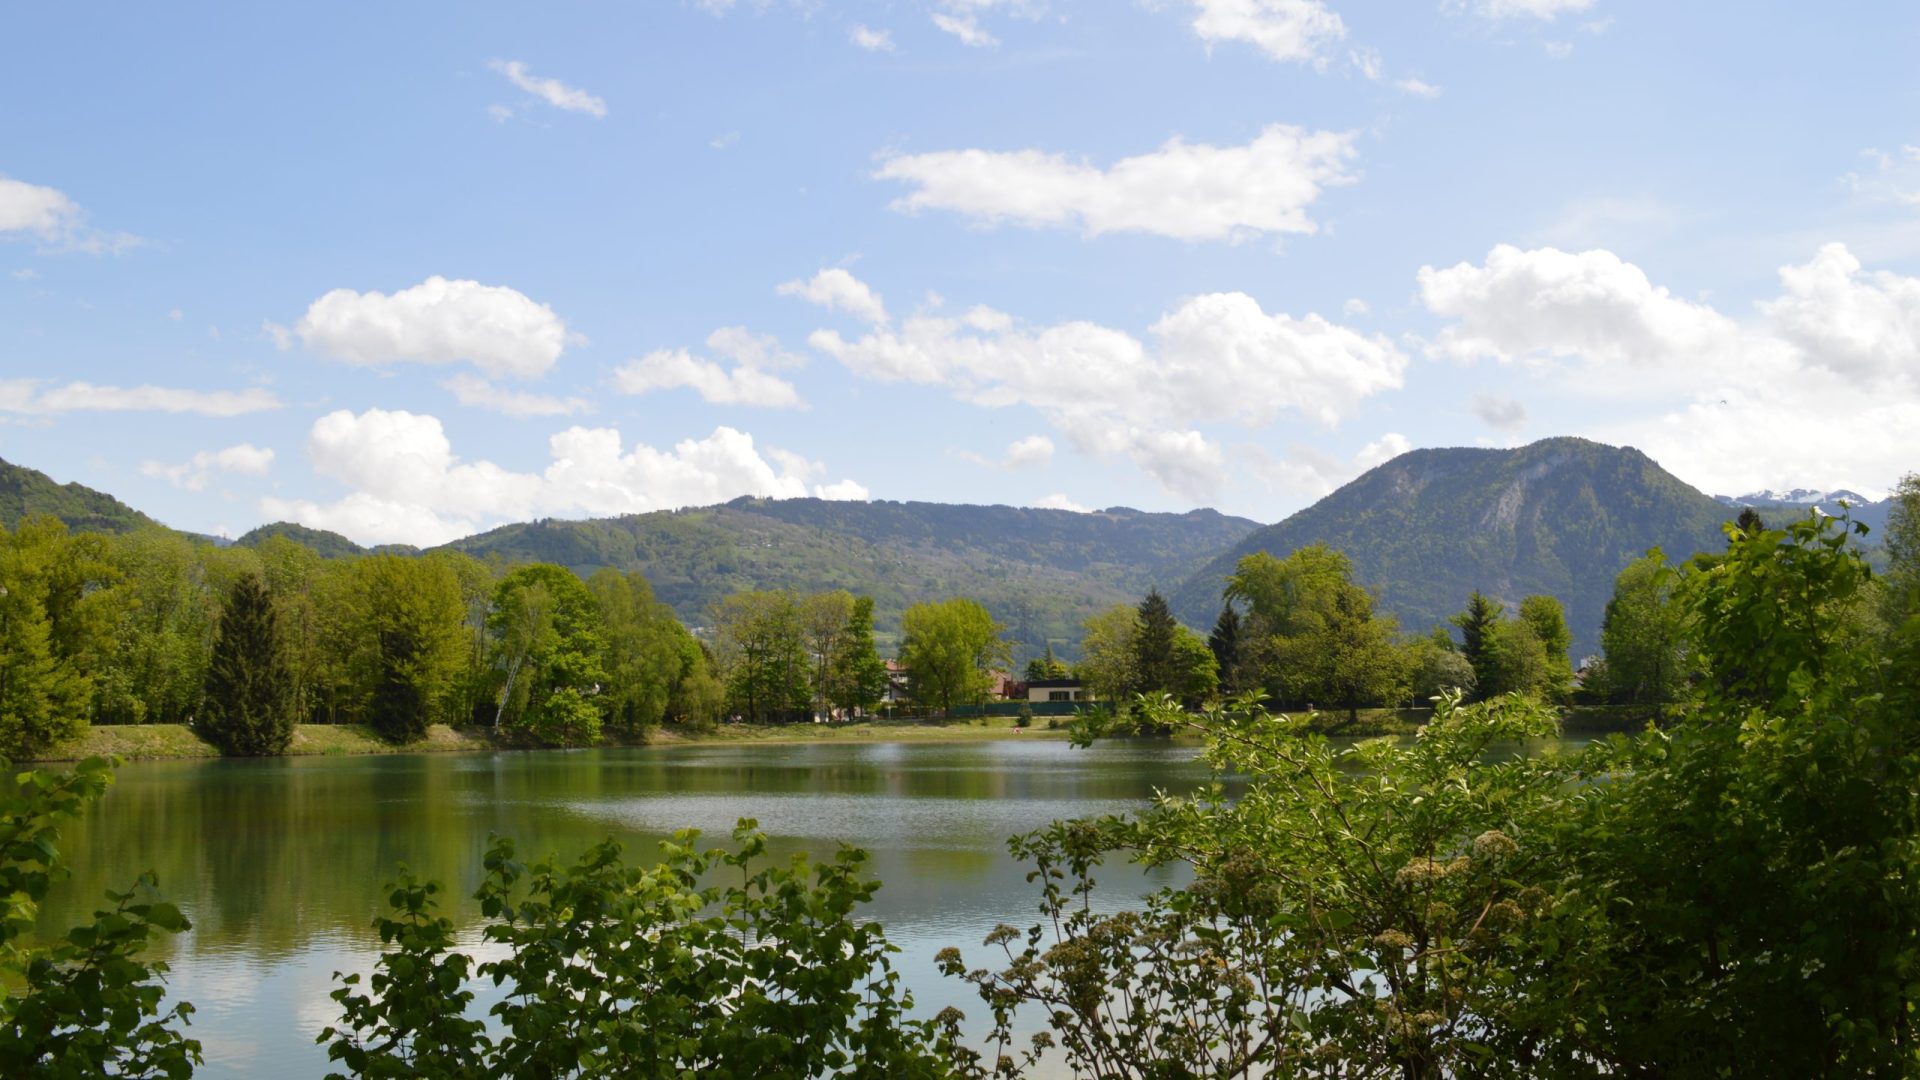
279 863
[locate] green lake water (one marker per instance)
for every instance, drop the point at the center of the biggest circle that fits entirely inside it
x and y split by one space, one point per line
279 863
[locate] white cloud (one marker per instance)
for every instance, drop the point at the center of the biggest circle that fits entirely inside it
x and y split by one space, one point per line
54 219
552 91
195 473
31 208
743 346
871 40
1189 191
1297 31
1215 358
1892 178
837 290
966 28
1541 10
1382 450
1354 306
25 273
475 392
1418 88
1821 389
1545 303
842 491
34 398
1559 50
1030 452
1059 501
1499 412
497 329
408 485
667 369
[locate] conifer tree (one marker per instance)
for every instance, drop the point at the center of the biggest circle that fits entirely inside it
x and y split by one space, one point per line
247 709
1224 643
1478 627
1153 662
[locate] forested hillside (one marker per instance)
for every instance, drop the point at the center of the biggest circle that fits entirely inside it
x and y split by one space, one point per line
1041 572
25 491
1560 517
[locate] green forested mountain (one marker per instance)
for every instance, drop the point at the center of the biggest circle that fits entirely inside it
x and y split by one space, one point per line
1559 517
329 545
1041 572
25 491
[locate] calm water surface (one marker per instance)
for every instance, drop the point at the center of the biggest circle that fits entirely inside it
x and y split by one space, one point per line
279 863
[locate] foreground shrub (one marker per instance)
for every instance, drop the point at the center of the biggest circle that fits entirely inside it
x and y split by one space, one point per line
643 971
87 1005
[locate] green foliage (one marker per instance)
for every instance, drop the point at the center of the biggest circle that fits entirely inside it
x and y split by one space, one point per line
1311 635
55 607
163 635
1153 643
88 1004
247 709
645 651
760 654
1642 635
859 677
1351 913
413 612
948 647
549 649
1436 668
645 971
1224 642
1109 651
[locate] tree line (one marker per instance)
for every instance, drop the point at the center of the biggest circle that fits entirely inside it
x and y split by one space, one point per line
1734 894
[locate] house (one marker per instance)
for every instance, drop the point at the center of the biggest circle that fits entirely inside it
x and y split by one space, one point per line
1056 690
896 684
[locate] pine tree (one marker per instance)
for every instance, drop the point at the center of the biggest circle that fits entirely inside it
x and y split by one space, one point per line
247 710
1153 646
1749 521
1478 627
1224 642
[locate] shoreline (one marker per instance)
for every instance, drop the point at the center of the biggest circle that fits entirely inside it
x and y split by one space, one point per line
177 742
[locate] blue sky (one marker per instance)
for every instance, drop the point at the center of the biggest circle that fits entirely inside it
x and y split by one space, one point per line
408 271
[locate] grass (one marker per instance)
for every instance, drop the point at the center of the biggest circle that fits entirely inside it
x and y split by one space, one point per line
137 742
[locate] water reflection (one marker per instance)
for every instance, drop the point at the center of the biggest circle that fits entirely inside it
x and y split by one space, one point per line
279 863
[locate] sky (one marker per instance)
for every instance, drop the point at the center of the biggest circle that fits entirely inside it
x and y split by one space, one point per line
410 271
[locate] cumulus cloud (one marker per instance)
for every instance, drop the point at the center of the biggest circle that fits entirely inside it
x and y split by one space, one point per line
1296 31
1189 191
837 290
1819 388
197 472
667 369
408 486
552 91
439 321
52 218
842 491
478 393
1417 88
1546 303
1058 501
869 39
1030 452
1499 412
1214 358
35 397
1382 450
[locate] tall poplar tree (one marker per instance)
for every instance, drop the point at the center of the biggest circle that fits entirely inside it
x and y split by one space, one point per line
247 709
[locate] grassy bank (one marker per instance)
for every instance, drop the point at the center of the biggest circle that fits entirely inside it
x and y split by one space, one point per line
139 742
144 742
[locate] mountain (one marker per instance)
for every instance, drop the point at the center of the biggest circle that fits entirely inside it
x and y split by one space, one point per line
1041 572
1775 507
1560 517
329 545
25 491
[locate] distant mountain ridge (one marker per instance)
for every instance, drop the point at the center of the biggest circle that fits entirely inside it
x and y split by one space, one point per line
1776 506
25 492
1560 517
1041 572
